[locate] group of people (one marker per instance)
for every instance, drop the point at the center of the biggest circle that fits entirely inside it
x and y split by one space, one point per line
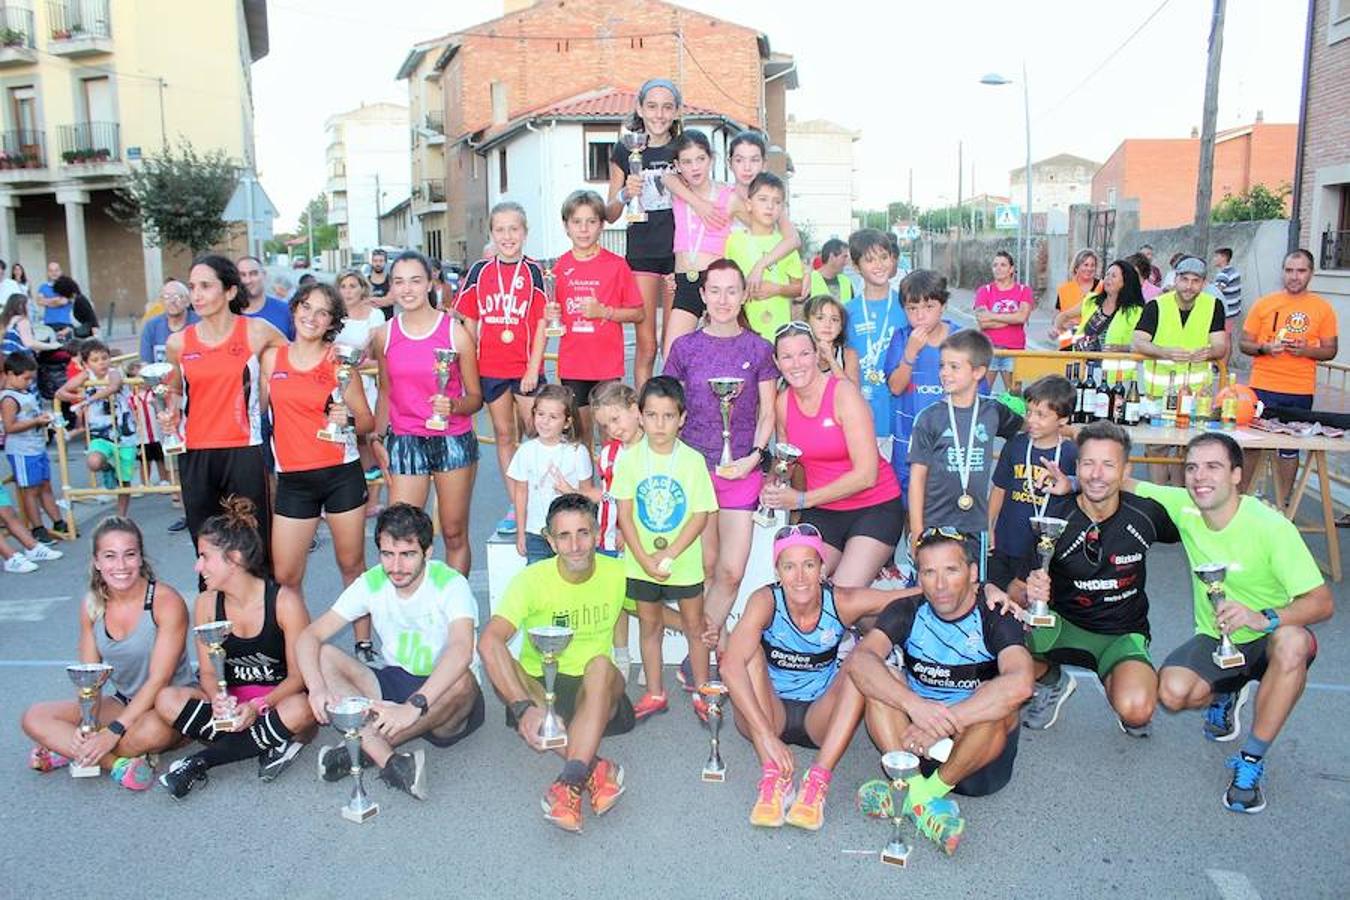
894 458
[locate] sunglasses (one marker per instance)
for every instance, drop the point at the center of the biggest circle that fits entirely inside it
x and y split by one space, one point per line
1092 544
942 533
804 529
794 325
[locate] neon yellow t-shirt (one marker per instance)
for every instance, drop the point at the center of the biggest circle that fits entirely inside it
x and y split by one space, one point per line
1268 563
666 491
539 595
746 249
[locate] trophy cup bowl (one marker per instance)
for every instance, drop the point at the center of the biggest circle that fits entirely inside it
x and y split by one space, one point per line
715 692
154 375
225 714
635 142
349 715
550 641
553 323
726 390
785 455
1048 529
88 679
900 766
445 358
1211 575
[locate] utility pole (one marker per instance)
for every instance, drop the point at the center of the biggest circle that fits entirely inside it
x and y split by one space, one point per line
377 209
960 169
1205 186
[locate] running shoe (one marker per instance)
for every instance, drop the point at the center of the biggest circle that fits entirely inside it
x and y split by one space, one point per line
335 763
809 809
605 785
275 760
179 524
508 526
875 799
1135 731
774 797
685 676
43 553
40 759
562 806
649 705
407 772
940 821
700 708
133 773
18 564
184 775
1223 718
1244 792
373 473
41 536
58 531
365 652
1043 710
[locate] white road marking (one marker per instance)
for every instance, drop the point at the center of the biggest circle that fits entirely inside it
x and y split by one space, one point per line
1233 885
28 610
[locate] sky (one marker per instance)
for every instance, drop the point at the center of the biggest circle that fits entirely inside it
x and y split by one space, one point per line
906 76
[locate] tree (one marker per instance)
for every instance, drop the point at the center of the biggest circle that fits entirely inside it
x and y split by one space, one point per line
178 197
325 235
1253 205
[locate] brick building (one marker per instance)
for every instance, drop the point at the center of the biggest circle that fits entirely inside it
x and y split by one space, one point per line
1325 204
492 73
1161 173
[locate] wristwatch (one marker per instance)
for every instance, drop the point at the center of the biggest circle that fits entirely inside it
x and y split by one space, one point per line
419 702
1272 620
518 708
117 728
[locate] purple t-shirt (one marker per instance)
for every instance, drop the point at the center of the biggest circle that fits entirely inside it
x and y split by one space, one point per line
698 356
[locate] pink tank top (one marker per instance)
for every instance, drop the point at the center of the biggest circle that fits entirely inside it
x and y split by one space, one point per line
825 456
411 363
689 227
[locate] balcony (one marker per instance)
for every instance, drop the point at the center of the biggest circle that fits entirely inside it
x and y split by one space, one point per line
23 156
337 214
434 122
16 37
428 195
336 184
91 148
79 27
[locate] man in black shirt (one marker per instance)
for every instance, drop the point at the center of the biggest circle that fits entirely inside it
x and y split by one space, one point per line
379 283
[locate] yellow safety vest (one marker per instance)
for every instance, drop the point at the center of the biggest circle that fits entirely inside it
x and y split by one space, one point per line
819 288
1171 334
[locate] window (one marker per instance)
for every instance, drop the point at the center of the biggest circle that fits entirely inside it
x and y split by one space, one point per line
1336 242
499 107
501 170
599 144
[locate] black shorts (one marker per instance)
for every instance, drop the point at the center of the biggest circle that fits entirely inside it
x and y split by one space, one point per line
1195 656
333 489
1002 569
209 476
989 780
154 451
794 725
495 387
884 522
397 685
565 702
651 265
581 389
655 592
688 295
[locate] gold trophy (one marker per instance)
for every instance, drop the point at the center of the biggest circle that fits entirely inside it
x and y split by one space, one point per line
445 358
553 323
225 714
88 679
1049 529
1211 575
636 142
348 357
726 390
784 456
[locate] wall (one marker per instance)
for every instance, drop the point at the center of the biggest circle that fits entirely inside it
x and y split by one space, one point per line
823 187
1054 185
1326 162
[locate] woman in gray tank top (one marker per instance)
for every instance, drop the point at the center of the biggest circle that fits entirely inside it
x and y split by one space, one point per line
139 627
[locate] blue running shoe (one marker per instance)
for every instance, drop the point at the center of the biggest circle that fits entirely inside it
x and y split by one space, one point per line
1244 793
1223 718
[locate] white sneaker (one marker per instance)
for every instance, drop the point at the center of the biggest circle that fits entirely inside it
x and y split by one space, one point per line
43 553
19 564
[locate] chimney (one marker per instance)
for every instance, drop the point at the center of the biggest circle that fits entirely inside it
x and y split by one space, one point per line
1260 116
1195 132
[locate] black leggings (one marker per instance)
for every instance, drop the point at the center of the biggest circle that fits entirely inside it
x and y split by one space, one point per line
209 476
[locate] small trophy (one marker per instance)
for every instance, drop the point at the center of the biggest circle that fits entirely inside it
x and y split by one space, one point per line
551 640
715 692
553 324
349 715
1049 529
88 679
1211 575
636 142
154 375
224 708
784 456
726 390
900 766
348 357
445 358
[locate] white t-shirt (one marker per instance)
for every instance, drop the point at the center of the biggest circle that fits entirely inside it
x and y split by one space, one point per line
534 463
413 630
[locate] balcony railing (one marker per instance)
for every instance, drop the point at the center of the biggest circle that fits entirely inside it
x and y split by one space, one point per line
434 190
435 121
72 20
16 27
1335 250
23 149
90 142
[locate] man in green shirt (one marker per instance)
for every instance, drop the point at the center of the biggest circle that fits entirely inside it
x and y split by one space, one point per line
583 591
829 278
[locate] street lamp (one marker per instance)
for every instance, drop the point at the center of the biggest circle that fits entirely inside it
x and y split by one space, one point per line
994 79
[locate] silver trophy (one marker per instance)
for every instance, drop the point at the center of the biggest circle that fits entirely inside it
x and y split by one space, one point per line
224 708
635 142
349 715
1211 575
785 455
553 323
900 767
154 375
1049 529
726 390
445 358
715 692
348 357
551 641
88 679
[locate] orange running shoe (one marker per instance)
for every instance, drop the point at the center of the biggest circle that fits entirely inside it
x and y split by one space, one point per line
809 810
562 806
775 795
650 704
605 785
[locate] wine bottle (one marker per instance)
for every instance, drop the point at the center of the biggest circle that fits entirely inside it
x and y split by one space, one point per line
1170 401
1101 407
1228 404
1185 400
1133 411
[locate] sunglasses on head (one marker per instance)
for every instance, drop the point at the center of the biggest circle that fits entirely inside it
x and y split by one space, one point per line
805 529
942 533
1092 544
794 325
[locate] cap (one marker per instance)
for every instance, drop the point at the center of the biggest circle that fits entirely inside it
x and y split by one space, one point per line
1191 265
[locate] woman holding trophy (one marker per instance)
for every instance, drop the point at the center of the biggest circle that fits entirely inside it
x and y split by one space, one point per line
429 391
138 627
319 408
360 319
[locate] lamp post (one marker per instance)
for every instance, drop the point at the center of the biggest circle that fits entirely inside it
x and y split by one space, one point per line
994 79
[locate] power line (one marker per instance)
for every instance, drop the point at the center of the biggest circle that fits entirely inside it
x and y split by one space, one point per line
698 65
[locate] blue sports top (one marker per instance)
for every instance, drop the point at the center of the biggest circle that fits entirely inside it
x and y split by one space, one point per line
802 665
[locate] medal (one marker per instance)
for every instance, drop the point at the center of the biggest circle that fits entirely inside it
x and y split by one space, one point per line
691 277
965 501
874 376
506 299
508 335
660 543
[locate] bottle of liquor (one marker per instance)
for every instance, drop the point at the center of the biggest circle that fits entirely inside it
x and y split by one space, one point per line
1089 394
1204 401
1101 406
1133 411
1118 399
1228 403
1170 401
1185 400
1080 383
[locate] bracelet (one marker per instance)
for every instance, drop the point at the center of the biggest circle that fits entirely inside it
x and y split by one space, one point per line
909 362
801 499
259 706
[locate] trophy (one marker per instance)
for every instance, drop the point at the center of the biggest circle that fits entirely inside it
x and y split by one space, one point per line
349 715
551 640
901 766
1211 575
726 390
348 357
154 376
88 679
553 324
224 708
445 357
636 142
784 456
715 692
1049 529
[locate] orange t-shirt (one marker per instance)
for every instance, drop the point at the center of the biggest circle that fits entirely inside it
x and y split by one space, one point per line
1070 295
1304 319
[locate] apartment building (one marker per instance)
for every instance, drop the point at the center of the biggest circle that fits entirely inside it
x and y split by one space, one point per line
367 159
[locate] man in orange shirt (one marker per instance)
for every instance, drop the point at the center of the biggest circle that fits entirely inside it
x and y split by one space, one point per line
1287 333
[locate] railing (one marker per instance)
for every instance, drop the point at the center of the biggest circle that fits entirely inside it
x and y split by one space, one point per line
90 142
16 27
435 121
23 149
74 19
434 190
1335 250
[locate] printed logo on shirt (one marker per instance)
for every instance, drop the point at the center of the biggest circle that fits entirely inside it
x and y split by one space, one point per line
256 668
661 503
1298 323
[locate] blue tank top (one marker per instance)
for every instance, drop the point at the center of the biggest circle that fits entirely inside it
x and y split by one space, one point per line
12 343
802 665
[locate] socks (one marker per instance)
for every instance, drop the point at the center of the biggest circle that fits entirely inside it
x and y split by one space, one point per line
232 746
1051 675
194 720
1254 748
575 772
922 791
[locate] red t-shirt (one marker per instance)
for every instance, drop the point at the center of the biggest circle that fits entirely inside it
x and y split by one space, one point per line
592 349
503 297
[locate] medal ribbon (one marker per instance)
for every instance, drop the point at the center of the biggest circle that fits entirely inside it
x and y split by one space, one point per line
963 459
1038 505
874 344
508 297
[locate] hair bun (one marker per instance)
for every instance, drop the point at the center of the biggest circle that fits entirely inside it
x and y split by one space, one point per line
240 512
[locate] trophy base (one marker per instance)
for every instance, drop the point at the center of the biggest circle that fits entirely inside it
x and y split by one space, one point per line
554 332
635 217
333 437
224 725
715 775
1228 661
84 771
436 423
553 743
896 855
360 815
765 521
1046 620
172 449
725 470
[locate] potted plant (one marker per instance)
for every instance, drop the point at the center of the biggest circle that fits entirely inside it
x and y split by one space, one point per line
60 34
68 157
4 161
12 37
103 154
